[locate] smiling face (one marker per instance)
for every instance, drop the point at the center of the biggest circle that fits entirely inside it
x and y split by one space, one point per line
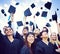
44 35
30 38
53 36
8 31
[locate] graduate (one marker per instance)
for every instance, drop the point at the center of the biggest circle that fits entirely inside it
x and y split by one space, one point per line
11 45
54 40
25 32
43 46
27 49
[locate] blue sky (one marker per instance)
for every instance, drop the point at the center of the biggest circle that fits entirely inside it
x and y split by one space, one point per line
24 4
55 3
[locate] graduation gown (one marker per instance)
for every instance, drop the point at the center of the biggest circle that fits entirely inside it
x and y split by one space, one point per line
10 47
25 50
42 48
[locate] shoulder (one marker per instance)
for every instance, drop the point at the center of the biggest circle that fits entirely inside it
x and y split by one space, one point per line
25 50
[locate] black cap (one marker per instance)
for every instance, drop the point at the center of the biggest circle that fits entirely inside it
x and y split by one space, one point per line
2 11
9 23
12 9
17 3
57 9
31 23
54 17
5 14
27 22
19 23
38 13
44 14
48 5
27 12
36 26
33 5
41 8
48 25
50 20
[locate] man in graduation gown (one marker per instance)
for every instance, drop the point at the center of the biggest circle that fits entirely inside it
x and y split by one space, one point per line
10 44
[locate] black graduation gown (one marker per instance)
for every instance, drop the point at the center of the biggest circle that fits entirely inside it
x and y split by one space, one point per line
25 50
11 47
42 48
33 46
55 47
1 43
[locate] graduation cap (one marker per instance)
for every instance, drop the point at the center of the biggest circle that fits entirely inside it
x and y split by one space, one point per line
41 8
5 14
54 17
17 3
32 5
27 23
9 23
44 14
48 25
50 20
36 26
37 14
57 9
2 11
12 9
27 12
31 23
20 23
48 5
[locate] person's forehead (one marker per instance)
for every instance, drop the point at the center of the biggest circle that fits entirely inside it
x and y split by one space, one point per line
30 35
8 28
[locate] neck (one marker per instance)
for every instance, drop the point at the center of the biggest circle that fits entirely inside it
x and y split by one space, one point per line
29 44
10 38
45 40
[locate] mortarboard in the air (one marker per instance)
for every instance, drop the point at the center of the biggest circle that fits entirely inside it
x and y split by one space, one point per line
31 23
50 20
54 17
19 23
44 14
27 12
27 22
17 3
9 23
48 5
12 9
41 8
36 26
2 11
5 14
32 5
48 25
37 14
57 9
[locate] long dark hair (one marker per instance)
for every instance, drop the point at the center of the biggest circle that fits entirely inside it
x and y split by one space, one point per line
26 42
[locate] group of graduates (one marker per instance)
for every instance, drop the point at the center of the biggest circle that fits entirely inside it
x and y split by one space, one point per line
36 42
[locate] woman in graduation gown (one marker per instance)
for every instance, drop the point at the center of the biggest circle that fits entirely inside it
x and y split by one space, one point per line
27 49
54 40
43 46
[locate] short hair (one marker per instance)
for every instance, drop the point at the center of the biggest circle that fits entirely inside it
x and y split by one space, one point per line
42 32
6 28
30 33
26 28
46 29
